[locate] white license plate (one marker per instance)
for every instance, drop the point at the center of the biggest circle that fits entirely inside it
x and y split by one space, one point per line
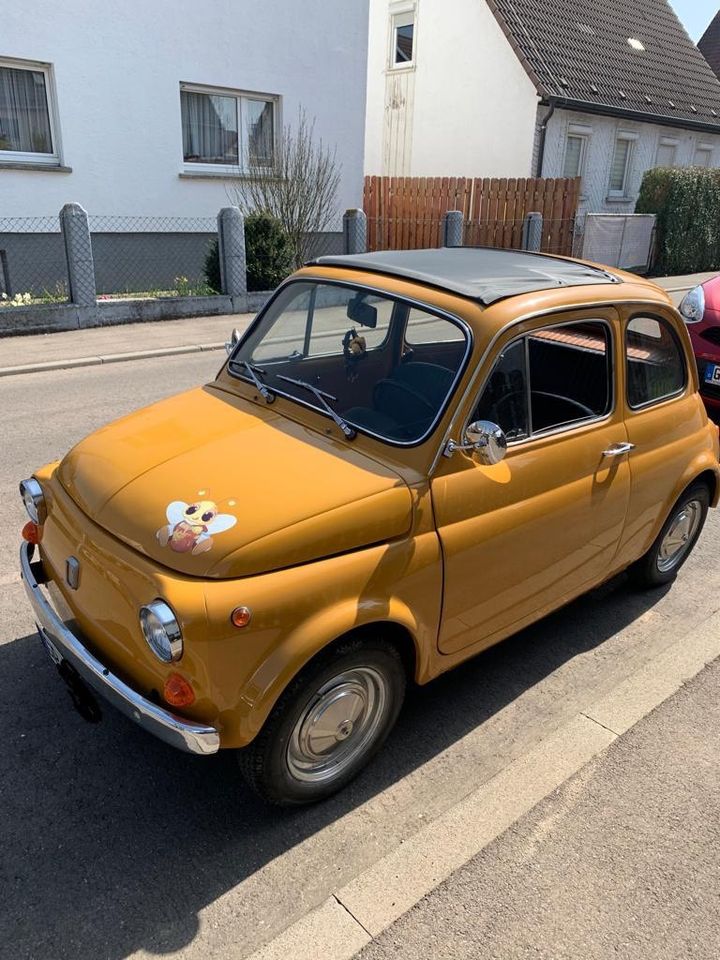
52 650
712 373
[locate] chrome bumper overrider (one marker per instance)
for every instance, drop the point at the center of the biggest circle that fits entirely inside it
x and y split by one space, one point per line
192 737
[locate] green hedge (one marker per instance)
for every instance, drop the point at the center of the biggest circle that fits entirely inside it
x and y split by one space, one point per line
268 254
687 205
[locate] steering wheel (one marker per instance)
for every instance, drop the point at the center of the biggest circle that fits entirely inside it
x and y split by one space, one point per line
388 386
569 400
514 394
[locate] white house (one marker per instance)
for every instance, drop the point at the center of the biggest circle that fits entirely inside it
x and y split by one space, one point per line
149 108
520 88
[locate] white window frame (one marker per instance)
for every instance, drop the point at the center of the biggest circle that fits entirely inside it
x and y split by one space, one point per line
33 159
402 15
241 97
667 142
582 133
703 146
631 138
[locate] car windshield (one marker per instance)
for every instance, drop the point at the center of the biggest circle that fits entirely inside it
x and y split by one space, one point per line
383 365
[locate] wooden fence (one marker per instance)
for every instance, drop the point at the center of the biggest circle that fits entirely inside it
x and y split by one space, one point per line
405 213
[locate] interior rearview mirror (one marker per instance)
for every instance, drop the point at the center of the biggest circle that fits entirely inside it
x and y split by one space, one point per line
487 441
361 312
233 341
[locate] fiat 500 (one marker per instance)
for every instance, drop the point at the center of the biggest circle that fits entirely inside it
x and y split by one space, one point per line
406 457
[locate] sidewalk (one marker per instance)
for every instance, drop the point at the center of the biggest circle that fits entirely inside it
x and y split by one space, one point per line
129 341
620 861
134 341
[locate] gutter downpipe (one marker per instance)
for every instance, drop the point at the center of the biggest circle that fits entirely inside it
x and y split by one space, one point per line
543 135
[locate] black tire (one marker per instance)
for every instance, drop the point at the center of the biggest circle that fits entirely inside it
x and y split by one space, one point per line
653 569
272 763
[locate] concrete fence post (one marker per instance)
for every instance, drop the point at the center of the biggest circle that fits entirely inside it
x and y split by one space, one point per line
231 249
453 229
78 253
532 232
354 231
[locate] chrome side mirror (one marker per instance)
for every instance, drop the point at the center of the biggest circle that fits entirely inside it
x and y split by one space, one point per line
233 341
486 440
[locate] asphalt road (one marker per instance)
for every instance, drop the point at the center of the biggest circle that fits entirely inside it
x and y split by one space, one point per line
113 845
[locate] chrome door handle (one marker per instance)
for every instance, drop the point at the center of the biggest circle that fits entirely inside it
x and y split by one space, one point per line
618 449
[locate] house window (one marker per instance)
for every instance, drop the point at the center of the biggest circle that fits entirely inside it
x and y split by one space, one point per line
666 152
620 167
703 155
576 149
403 39
574 156
26 121
230 129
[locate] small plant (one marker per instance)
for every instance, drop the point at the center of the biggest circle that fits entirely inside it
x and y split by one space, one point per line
182 285
211 268
19 300
268 254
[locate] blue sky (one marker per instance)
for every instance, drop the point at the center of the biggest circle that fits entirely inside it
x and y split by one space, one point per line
695 14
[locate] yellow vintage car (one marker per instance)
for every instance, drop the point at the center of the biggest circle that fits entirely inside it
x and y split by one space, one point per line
407 457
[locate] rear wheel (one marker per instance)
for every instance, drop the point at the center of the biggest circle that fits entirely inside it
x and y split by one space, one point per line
327 725
675 541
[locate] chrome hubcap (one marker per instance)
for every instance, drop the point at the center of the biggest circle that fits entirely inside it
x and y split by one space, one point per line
338 725
679 537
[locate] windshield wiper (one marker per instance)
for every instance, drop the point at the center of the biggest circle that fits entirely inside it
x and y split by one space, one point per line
323 397
252 370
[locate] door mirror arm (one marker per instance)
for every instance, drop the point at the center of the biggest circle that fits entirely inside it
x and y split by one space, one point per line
484 439
233 341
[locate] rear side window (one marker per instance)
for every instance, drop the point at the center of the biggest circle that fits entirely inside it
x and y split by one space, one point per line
656 367
551 378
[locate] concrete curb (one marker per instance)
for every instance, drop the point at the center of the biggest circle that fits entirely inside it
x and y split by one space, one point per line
359 911
93 361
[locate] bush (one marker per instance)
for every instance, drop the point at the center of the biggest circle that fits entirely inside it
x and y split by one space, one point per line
687 205
268 254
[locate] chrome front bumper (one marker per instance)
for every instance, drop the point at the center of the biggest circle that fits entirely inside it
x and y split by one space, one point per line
188 736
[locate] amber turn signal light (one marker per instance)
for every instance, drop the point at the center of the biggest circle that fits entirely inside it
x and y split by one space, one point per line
240 617
32 532
178 692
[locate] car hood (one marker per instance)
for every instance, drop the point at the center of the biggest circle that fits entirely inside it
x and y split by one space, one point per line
212 485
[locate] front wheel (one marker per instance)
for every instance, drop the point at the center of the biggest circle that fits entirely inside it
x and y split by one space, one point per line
675 541
327 725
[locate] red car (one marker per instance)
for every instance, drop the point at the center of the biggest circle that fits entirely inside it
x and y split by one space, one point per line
701 311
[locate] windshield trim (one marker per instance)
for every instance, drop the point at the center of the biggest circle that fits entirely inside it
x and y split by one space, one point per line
411 301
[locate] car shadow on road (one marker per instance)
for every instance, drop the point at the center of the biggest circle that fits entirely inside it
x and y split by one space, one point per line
112 842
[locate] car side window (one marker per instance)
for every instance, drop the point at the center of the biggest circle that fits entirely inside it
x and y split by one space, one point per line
570 374
505 398
551 378
655 361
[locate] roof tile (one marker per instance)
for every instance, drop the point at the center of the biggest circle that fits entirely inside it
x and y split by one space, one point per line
586 45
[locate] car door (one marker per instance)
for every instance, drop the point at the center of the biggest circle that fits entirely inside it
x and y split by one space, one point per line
665 423
521 537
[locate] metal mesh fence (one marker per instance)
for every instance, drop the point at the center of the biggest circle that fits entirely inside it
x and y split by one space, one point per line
151 256
33 268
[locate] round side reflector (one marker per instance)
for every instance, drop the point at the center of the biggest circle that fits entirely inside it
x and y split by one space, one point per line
240 617
31 532
178 692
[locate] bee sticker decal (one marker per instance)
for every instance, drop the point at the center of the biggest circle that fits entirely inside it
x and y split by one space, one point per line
191 526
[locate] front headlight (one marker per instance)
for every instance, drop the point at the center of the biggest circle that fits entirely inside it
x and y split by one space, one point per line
34 500
162 631
692 306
